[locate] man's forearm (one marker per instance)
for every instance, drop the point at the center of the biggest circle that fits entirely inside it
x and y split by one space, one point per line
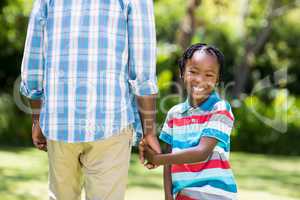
147 110
35 108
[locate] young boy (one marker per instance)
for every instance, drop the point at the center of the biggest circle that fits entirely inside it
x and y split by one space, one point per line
197 133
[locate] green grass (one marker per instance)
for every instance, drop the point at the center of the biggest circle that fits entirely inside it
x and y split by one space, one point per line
23 176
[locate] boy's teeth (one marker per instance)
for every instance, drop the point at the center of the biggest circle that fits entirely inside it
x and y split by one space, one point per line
198 89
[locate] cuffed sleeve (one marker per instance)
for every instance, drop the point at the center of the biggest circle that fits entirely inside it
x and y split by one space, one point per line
142 47
32 70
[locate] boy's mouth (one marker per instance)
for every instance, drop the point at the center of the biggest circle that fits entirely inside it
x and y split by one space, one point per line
198 89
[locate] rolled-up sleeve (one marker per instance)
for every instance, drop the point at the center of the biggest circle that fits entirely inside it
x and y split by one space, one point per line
142 47
32 70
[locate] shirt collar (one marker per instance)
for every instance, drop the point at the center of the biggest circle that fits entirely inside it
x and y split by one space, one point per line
205 106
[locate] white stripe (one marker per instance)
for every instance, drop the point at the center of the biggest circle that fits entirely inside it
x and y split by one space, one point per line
138 39
212 190
73 52
92 88
219 126
110 79
54 74
216 149
125 106
181 130
221 151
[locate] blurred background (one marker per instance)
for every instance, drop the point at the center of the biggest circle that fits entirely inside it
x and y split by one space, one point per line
261 43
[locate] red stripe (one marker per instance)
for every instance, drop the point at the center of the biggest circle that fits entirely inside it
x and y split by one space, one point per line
225 112
196 119
183 197
184 121
200 166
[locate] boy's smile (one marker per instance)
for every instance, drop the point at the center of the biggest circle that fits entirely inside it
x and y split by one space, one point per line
200 76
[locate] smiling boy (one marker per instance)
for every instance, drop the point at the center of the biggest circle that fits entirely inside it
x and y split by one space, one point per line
197 132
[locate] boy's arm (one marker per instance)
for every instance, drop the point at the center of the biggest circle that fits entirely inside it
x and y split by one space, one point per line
218 129
191 155
168 178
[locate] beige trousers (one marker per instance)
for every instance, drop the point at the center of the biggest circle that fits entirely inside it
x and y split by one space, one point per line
101 167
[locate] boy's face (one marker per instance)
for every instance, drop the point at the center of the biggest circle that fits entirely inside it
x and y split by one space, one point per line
200 76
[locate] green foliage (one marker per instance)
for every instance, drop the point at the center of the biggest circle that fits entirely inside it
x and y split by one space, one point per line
168 14
268 127
13 23
15 127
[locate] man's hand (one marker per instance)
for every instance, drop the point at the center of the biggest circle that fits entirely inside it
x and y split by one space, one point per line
152 142
38 138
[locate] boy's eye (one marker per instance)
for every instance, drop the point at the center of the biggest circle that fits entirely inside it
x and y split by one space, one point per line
209 75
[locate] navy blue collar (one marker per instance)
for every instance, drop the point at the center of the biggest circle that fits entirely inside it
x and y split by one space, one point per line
207 105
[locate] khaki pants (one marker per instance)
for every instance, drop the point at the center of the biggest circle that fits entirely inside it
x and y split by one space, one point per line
101 167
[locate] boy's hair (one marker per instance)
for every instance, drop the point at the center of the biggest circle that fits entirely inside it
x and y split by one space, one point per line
189 52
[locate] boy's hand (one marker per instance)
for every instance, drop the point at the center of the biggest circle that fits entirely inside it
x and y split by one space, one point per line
38 138
150 155
142 148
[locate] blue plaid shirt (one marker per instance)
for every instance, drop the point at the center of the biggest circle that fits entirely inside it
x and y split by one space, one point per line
87 59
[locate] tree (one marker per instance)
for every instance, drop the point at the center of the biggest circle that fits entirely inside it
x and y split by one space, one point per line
188 27
275 8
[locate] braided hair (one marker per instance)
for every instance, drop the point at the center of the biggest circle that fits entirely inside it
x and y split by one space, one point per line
209 49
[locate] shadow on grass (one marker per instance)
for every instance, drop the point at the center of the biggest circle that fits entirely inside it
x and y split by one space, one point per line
13 149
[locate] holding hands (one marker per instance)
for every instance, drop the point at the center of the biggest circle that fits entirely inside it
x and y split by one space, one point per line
147 152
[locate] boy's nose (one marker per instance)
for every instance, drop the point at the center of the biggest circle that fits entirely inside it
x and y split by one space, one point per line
199 79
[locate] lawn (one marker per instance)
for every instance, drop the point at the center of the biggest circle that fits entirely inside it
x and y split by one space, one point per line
23 176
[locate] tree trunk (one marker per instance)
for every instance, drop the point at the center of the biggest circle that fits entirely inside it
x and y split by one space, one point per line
188 24
242 69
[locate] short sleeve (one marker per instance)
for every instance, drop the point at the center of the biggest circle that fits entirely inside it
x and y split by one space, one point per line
220 123
166 132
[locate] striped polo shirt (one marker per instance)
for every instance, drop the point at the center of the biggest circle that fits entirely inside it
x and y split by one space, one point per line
183 128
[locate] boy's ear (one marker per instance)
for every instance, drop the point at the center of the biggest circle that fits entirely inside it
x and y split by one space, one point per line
181 74
181 77
217 82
